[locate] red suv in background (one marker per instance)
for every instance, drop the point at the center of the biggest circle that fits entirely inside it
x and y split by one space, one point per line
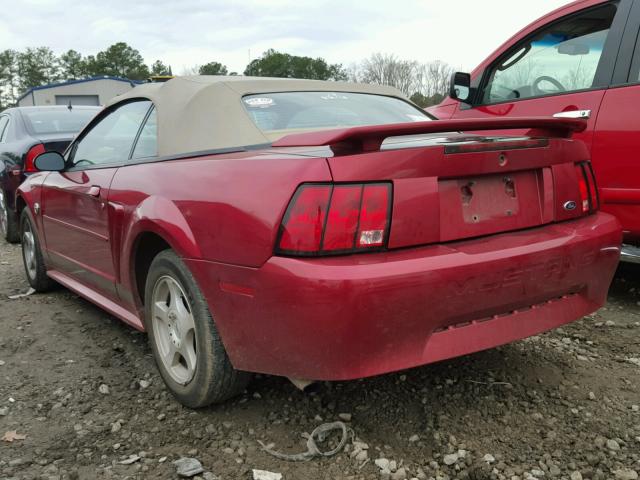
580 61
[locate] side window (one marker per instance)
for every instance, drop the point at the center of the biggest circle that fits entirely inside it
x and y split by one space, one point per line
560 58
4 122
147 144
109 142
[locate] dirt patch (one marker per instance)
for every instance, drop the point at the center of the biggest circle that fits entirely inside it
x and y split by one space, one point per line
84 390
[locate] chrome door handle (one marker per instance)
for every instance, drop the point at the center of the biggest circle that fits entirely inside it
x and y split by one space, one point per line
584 114
94 191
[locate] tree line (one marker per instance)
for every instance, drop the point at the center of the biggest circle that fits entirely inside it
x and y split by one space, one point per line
425 83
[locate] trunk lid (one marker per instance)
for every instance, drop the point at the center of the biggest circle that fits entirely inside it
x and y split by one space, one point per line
54 142
453 186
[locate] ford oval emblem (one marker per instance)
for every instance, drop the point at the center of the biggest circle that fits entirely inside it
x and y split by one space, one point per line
570 205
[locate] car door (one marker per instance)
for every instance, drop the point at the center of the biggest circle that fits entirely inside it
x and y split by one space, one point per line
75 209
615 145
561 69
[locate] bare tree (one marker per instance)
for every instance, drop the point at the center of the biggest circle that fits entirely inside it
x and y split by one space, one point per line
426 83
386 69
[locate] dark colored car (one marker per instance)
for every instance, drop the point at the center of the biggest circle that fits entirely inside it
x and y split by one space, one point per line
315 230
26 132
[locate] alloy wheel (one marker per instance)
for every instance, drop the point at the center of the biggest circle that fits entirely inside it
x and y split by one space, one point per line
4 216
29 250
174 329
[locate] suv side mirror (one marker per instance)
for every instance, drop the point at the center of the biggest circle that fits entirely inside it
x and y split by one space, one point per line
49 162
460 87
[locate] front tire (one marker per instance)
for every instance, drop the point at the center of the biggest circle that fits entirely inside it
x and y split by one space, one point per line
8 222
32 258
184 339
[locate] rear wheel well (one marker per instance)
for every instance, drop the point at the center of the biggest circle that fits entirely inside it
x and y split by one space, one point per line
148 246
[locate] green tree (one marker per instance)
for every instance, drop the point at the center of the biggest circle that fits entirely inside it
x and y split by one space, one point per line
277 64
37 66
159 68
119 60
72 65
9 80
213 68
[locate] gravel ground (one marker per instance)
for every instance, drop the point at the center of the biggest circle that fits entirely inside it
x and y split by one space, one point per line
81 392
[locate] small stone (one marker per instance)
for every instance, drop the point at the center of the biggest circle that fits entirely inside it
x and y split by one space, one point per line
400 474
634 408
613 445
1 363
161 417
188 467
610 323
130 460
162 459
626 474
592 396
576 475
209 476
345 417
414 438
382 463
103 389
265 475
4 411
144 384
489 458
115 427
362 456
450 459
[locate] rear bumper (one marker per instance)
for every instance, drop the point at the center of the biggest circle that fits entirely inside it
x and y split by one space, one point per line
361 315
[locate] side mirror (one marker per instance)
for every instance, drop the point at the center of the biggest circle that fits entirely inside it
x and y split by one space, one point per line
460 88
49 162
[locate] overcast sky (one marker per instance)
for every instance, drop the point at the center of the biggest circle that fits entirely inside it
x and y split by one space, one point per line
183 33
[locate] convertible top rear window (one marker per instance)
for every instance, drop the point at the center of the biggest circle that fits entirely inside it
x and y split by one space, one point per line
276 112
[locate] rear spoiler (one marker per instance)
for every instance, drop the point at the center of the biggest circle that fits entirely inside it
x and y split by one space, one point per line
370 138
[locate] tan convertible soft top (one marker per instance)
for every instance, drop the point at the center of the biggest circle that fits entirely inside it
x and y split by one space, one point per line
205 112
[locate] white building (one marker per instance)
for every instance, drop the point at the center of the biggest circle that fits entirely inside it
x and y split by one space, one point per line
88 91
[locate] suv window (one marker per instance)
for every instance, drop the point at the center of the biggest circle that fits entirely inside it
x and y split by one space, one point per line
147 144
4 121
562 57
110 140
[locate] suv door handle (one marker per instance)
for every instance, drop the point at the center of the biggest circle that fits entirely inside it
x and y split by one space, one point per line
94 191
584 114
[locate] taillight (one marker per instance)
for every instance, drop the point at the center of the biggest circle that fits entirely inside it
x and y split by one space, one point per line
325 219
589 201
33 152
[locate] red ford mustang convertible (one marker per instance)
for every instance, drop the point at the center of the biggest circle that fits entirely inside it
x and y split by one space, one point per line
316 230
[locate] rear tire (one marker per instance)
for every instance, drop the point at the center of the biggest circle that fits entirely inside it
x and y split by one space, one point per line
32 258
184 339
8 221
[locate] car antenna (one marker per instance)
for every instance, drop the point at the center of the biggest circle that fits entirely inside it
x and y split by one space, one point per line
69 106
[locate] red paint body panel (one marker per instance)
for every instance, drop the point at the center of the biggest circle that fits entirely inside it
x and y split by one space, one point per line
355 316
611 133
